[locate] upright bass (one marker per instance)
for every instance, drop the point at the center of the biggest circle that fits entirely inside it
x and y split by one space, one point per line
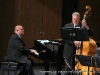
88 48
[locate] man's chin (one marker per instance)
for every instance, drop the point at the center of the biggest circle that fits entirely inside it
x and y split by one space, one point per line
22 34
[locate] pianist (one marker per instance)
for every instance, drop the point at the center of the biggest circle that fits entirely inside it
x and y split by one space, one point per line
17 51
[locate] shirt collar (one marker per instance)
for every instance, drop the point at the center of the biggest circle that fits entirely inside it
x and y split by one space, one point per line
18 35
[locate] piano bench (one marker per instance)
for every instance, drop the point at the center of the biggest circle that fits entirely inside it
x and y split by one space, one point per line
9 66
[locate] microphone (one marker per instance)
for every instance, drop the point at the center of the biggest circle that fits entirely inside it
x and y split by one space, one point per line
78 48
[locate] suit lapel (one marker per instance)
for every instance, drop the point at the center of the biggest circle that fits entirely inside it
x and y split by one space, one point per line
71 25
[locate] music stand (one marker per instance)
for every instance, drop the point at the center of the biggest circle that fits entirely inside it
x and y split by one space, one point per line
73 34
84 60
96 62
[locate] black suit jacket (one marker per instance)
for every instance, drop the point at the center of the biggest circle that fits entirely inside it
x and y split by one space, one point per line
17 50
69 48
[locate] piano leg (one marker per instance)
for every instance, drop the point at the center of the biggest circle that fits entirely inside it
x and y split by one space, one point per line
46 64
60 59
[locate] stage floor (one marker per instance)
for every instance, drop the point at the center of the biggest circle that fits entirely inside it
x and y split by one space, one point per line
39 70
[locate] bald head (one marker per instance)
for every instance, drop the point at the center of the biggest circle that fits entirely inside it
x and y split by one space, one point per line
19 30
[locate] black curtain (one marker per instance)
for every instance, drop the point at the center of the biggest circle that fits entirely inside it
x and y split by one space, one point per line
69 6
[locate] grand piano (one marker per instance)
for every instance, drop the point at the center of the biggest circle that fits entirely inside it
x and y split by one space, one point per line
50 51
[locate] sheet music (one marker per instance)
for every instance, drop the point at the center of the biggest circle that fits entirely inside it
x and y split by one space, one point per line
43 41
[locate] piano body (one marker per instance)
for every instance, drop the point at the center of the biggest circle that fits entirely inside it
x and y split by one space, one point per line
54 52
40 46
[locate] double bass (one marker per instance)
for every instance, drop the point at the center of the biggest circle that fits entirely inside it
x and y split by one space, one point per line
88 48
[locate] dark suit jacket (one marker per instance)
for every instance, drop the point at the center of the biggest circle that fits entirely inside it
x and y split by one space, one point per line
17 50
69 48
